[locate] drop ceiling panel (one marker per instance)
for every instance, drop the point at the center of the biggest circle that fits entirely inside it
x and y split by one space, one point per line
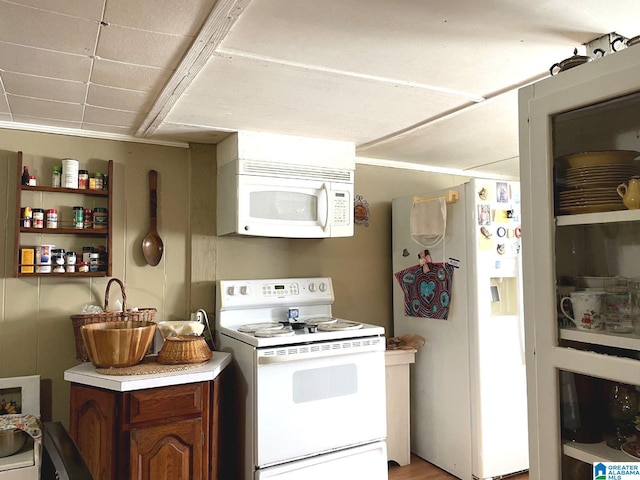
47 122
166 16
35 107
152 49
51 31
34 61
88 9
130 77
46 88
105 116
118 98
298 101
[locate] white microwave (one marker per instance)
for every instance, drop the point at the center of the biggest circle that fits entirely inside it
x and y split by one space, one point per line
273 199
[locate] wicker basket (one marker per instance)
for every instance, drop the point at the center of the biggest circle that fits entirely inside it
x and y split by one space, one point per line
142 314
184 349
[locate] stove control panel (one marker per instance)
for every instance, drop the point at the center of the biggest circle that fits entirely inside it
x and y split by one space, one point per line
237 294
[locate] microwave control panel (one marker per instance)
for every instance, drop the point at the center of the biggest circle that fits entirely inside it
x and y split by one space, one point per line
341 211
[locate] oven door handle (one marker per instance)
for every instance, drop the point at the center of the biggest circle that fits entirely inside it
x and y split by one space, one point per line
296 357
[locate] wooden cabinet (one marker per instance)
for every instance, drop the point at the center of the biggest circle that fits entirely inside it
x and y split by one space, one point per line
576 233
64 235
150 434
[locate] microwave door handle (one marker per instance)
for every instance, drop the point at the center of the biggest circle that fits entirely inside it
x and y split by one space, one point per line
325 189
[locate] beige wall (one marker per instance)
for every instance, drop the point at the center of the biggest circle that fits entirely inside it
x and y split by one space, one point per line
35 331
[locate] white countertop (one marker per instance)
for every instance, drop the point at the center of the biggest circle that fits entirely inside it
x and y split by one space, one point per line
85 374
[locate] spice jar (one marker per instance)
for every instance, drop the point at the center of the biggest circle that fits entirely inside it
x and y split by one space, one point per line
38 218
25 217
83 179
56 176
86 252
83 267
88 218
58 256
78 217
52 218
94 262
100 217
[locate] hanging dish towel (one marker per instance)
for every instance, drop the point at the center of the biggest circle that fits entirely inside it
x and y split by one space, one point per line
427 294
428 221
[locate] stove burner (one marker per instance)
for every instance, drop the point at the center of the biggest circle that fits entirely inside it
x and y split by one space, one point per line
339 325
319 320
253 327
271 332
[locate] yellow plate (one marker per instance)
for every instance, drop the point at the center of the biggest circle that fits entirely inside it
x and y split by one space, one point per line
607 157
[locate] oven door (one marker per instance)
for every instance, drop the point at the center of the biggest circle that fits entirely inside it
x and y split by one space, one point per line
311 403
366 461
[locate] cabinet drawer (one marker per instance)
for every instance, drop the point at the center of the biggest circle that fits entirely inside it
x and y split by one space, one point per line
166 402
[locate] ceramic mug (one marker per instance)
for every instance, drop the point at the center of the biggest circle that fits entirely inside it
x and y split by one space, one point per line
588 308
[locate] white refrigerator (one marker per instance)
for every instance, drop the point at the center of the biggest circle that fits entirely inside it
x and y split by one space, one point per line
468 385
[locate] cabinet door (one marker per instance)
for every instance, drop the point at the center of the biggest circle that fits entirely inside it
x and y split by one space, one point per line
93 429
168 452
579 237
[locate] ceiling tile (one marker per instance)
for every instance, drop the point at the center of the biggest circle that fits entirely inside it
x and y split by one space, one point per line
130 77
152 49
105 116
301 102
46 88
46 122
4 106
37 28
118 99
5 117
34 107
165 16
89 9
93 127
33 61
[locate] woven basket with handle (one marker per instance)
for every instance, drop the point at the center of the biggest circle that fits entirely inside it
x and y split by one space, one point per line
141 314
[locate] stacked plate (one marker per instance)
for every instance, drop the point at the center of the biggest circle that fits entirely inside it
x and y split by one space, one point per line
591 182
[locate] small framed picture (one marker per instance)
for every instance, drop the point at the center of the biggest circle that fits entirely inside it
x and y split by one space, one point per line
502 192
484 214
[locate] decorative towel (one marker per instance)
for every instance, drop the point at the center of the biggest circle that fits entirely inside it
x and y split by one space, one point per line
428 221
27 423
427 294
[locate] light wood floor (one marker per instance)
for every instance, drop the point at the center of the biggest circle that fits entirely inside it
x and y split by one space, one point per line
418 469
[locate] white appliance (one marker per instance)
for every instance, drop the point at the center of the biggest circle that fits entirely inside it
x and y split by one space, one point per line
309 388
468 385
284 186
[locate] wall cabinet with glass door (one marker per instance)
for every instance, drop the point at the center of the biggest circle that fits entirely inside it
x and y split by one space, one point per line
579 141
89 238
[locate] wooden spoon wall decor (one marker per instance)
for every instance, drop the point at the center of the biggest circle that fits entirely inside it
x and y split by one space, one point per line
152 246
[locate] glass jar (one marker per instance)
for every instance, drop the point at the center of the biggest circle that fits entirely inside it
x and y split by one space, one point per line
83 179
88 218
618 306
58 256
78 217
56 176
38 218
52 218
100 218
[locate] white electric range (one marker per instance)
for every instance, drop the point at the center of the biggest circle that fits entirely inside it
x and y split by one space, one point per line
310 388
